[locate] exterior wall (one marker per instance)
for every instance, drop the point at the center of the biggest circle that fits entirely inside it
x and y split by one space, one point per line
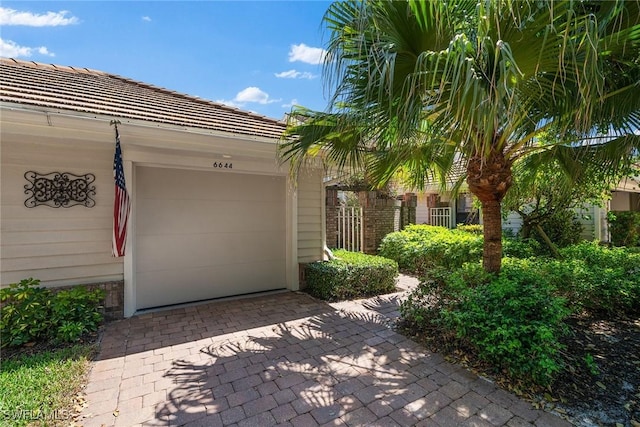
422 210
69 246
620 201
591 218
56 245
310 216
513 223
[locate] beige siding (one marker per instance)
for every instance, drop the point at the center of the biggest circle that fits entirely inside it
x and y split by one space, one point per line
590 217
620 201
310 199
59 246
513 223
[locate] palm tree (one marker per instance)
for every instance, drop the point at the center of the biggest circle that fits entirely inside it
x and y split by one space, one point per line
418 87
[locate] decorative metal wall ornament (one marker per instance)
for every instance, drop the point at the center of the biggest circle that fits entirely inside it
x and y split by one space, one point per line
59 189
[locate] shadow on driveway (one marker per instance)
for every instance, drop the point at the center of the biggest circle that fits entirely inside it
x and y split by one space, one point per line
286 359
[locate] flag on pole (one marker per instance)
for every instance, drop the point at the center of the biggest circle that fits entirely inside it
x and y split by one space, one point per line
121 205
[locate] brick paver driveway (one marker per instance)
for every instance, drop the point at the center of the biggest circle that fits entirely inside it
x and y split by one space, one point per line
286 359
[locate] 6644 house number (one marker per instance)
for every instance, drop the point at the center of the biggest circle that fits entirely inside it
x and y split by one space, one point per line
223 165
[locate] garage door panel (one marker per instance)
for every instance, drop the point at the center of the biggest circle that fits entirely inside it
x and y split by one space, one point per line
228 217
159 253
245 278
215 186
202 235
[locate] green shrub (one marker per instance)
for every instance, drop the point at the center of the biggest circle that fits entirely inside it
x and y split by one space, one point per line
471 228
31 313
624 227
563 229
598 279
421 247
520 248
513 321
74 312
439 288
351 275
25 312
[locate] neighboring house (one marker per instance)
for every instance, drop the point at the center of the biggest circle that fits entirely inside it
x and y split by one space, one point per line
440 208
213 213
626 196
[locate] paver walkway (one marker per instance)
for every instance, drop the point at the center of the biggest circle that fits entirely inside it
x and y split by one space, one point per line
286 359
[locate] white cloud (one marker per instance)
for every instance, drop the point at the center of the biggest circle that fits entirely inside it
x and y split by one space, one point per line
307 54
42 50
146 19
294 74
11 49
229 103
251 94
49 19
254 94
290 104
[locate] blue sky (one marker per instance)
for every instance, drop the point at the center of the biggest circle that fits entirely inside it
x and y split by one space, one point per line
261 56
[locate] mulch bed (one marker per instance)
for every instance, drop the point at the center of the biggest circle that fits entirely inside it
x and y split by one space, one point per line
42 346
607 391
600 385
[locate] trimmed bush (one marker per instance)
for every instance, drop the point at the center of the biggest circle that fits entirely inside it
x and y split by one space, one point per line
31 313
421 247
351 275
624 227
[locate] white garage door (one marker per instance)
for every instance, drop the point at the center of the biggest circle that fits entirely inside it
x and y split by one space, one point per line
202 235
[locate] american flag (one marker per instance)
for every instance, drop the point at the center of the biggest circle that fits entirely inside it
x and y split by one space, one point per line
121 205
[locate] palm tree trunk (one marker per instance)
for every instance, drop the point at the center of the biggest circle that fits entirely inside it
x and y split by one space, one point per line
489 179
492 250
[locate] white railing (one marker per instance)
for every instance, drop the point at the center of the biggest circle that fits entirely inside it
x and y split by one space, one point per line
441 217
350 229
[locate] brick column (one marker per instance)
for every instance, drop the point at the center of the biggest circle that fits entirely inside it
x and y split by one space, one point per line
378 217
331 213
409 204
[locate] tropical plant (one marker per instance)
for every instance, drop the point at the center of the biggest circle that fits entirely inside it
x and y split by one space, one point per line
545 198
418 87
624 227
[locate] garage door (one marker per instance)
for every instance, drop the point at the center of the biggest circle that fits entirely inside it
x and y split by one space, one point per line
202 235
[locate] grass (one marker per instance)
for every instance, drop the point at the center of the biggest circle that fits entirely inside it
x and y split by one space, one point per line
40 388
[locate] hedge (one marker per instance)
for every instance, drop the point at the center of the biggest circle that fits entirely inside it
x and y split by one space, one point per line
418 248
351 275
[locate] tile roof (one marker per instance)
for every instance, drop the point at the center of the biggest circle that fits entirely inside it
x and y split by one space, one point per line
97 92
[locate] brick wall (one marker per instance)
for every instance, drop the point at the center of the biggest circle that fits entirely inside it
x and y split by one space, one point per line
379 220
332 208
381 216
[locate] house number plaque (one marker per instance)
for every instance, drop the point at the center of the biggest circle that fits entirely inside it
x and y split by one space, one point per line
59 189
223 165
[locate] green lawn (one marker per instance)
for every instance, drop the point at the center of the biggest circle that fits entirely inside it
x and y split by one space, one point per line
39 389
